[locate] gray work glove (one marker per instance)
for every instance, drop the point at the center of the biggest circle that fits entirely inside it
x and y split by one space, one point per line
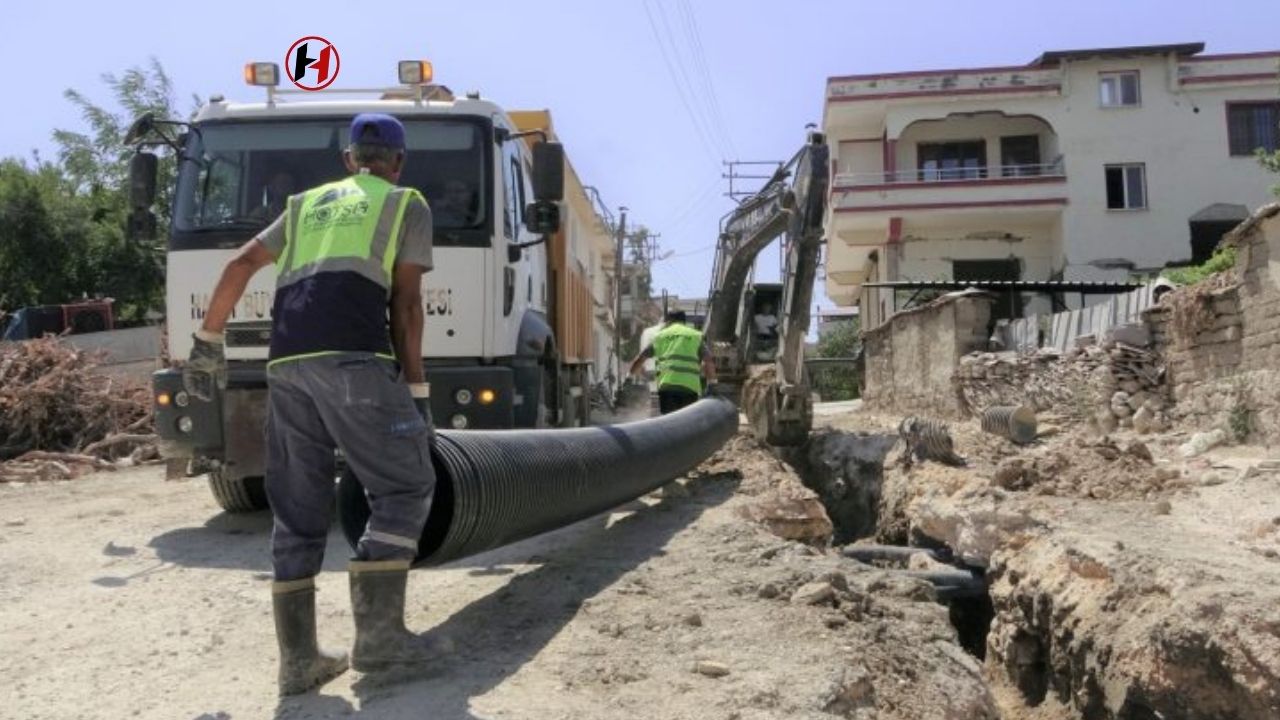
206 367
421 393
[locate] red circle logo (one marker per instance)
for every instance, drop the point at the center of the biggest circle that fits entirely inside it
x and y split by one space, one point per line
312 63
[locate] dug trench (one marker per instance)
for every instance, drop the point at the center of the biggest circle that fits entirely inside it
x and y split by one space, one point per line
846 470
1123 581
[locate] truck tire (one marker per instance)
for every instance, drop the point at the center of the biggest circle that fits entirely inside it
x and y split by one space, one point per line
238 495
546 413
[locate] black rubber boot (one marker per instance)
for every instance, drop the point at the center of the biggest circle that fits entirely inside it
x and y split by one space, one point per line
303 665
377 602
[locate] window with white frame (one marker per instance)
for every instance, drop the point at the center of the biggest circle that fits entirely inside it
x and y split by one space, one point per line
1119 89
1127 187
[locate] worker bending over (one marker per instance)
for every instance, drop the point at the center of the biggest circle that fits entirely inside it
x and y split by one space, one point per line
344 252
679 354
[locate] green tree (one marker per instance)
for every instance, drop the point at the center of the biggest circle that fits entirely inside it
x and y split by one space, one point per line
62 223
91 205
842 341
34 256
1270 161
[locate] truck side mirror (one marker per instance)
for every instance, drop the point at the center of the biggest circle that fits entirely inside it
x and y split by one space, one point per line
142 195
142 180
548 171
542 217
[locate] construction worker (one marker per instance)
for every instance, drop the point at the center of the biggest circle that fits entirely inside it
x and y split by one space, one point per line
344 252
679 353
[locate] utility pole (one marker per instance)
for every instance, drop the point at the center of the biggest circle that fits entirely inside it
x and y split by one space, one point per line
618 274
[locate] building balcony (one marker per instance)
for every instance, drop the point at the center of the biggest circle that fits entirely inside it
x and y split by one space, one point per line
864 201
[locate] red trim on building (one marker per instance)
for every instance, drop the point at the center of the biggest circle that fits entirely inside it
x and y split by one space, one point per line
931 184
895 229
1260 55
959 91
889 149
1239 77
954 205
926 73
863 140
1263 54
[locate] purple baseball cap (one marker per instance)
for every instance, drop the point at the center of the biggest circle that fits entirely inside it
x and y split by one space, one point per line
377 129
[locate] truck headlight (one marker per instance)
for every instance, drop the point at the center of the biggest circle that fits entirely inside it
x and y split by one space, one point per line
459 421
462 396
181 398
185 424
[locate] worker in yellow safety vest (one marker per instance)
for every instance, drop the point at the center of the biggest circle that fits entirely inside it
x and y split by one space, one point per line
682 361
339 376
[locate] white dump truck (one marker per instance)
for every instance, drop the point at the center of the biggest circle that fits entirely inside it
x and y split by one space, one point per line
491 350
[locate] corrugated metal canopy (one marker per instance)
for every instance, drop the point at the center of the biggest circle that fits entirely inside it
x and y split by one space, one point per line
1066 286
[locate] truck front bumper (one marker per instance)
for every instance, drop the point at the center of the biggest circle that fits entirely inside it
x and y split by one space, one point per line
231 426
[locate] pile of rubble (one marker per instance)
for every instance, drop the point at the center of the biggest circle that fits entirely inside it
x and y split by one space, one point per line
1114 385
1101 469
1129 391
1046 381
60 418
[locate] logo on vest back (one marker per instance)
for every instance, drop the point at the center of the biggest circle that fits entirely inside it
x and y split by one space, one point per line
328 212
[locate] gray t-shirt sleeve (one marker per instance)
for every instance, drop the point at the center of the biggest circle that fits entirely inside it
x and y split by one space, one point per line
415 235
272 238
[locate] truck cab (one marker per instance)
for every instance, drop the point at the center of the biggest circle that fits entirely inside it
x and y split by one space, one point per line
488 346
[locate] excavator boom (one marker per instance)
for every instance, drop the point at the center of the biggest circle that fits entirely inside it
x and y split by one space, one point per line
775 394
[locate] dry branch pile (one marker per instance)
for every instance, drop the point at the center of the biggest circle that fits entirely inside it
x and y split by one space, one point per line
60 418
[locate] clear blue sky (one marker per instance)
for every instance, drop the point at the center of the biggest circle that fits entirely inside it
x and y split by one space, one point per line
596 64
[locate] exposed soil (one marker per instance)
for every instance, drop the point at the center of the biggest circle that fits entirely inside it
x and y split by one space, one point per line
1127 581
126 596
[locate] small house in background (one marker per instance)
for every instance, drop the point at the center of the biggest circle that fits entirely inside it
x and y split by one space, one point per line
1094 165
830 319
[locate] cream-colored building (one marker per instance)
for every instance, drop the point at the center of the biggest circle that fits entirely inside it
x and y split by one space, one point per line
1081 165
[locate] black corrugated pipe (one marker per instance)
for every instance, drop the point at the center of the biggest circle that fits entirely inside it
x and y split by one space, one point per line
496 487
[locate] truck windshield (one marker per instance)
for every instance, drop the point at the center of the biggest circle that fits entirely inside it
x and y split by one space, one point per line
242 173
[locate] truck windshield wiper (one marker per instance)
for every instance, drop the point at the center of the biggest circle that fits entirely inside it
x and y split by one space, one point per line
236 223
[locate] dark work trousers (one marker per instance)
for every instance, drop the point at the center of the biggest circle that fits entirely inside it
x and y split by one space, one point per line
671 399
357 403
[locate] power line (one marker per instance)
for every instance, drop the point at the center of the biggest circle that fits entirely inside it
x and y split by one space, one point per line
692 210
689 201
700 58
675 80
708 119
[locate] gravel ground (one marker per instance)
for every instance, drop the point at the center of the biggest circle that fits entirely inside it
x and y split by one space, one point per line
125 596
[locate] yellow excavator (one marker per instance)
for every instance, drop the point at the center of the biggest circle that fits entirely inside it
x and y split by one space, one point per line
759 362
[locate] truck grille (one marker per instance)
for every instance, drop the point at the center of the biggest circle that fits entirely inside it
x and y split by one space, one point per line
249 334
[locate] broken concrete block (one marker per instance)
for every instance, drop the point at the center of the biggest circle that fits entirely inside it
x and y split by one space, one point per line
1144 421
1201 442
814 593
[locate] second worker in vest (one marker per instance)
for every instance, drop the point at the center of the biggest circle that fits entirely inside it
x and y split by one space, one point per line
681 359
338 378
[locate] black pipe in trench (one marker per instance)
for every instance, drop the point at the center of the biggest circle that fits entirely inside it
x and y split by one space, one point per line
495 487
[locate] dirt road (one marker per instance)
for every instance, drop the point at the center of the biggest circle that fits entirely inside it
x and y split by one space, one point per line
125 596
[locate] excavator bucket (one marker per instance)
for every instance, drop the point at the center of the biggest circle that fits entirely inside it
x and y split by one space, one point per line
772 420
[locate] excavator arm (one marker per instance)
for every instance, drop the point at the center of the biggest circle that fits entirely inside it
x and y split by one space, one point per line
791 204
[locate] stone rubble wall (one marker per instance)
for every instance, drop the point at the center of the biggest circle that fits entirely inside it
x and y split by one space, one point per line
910 360
1220 339
1112 385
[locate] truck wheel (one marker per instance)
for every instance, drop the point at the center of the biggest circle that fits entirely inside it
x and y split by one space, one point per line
545 417
238 495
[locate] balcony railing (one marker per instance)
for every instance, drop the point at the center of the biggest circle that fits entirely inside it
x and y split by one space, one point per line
922 176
